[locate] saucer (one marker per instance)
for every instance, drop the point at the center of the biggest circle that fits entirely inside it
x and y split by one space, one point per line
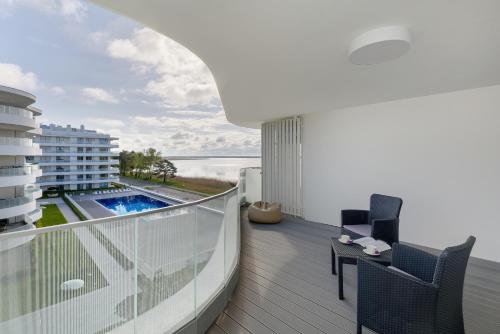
346 242
371 254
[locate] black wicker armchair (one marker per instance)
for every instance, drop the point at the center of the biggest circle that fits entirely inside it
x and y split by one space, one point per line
380 222
421 293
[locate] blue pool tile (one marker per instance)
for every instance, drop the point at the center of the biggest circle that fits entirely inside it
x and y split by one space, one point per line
131 204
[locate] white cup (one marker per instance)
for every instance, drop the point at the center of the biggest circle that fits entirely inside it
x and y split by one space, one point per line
372 249
345 238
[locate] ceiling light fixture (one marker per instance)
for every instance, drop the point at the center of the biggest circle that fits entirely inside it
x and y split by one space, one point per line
380 45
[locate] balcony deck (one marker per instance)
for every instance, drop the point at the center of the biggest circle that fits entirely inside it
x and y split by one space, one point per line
286 285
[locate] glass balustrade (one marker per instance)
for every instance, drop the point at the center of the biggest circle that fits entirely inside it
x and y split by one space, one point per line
16 141
16 170
15 111
150 272
12 202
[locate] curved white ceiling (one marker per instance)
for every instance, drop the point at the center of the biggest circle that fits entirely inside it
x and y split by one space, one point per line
276 58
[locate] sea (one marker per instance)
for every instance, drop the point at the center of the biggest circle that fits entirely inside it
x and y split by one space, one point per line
222 168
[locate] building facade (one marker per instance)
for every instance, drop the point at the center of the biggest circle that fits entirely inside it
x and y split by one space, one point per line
76 158
18 191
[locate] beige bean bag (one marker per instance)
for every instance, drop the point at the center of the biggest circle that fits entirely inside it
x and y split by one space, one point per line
264 212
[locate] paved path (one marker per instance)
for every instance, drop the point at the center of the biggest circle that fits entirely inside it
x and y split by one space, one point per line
67 212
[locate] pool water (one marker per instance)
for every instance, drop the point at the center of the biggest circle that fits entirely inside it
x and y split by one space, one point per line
131 204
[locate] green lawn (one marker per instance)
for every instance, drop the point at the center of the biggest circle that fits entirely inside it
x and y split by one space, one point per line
201 185
51 216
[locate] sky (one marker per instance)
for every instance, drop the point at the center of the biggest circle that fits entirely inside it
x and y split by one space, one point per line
89 66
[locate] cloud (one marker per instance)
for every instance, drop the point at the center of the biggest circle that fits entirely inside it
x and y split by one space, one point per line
13 75
109 123
57 90
179 78
199 135
74 10
179 87
180 135
94 94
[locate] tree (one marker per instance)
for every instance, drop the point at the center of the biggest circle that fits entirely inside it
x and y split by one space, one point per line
165 169
151 157
139 163
126 161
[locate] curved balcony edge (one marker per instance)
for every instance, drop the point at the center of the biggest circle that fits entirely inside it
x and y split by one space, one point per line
33 216
11 178
24 206
17 122
20 150
213 284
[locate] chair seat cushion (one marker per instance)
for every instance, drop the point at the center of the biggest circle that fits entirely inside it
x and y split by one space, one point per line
400 271
362 229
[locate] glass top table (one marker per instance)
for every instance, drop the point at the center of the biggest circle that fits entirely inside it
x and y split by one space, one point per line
349 254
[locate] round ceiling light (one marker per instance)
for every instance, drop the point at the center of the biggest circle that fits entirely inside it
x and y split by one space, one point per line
379 45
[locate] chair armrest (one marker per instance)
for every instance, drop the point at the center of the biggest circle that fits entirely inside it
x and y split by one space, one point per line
354 217
386 230
392 302
414 261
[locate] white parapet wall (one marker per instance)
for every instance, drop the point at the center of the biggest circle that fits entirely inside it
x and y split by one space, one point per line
440 153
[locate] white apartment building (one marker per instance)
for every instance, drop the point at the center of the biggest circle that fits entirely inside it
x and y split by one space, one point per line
18 192
76 158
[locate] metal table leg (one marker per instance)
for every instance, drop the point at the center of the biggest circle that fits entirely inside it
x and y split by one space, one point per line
334 272
341 279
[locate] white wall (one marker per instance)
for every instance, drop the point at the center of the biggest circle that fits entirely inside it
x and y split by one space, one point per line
440 153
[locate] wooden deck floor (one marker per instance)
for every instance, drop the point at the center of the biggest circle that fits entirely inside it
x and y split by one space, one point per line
286 285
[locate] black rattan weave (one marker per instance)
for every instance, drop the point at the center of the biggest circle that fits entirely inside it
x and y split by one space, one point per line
395 303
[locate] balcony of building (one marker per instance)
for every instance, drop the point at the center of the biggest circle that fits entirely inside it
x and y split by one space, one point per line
18 146
187 269
16 206
17 118
19 175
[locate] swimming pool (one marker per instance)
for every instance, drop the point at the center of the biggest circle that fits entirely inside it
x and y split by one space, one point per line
131 204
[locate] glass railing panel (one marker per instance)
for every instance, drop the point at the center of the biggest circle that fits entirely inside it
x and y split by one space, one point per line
209 251
250 185
67 281
166 271
15 170
11 202
232 233
146 273
15 111
16 141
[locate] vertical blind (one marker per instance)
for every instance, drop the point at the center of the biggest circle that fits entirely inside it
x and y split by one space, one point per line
282 164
